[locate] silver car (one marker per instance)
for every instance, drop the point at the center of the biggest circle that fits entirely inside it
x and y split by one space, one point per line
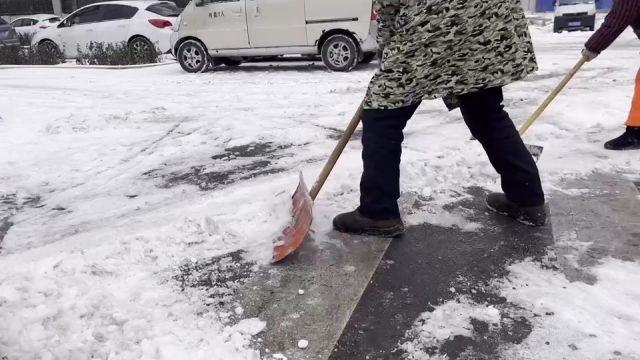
8 35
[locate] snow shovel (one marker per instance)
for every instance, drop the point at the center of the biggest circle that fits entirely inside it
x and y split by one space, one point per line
302 210
536 150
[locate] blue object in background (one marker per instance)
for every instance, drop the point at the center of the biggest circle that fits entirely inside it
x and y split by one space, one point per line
545 5
604 4
549 5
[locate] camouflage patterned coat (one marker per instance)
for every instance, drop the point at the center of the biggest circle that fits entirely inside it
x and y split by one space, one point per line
438 48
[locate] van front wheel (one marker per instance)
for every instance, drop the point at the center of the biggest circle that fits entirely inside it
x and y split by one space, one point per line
193 56
340 53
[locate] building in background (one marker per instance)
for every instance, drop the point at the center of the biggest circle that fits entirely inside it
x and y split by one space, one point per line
9 8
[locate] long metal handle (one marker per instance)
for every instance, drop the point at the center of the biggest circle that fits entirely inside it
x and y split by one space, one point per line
552 96
335 155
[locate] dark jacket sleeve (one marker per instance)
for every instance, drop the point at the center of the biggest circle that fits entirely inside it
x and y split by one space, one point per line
622 15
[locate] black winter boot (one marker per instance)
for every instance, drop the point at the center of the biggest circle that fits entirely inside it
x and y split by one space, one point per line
532 216
630 140
355 223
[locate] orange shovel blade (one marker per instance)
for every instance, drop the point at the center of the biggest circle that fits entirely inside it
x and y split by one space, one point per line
293 236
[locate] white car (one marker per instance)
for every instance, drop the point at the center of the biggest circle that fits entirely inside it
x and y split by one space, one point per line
142 24
342 32
574 15
34 23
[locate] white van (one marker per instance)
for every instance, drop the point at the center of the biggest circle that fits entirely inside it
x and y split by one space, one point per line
342 32
574 15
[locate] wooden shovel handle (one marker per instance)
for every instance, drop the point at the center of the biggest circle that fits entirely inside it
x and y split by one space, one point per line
335 155
552 96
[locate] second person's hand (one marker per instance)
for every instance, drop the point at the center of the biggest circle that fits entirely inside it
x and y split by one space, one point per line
589 55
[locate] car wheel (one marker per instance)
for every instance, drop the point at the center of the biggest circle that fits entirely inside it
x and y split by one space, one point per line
193 56
368 57
340 53
49 48
142 50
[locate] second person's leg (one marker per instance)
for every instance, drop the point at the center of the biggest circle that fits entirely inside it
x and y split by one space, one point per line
634 114
630 140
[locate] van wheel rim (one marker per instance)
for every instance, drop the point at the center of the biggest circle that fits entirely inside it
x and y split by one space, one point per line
339 54
192 57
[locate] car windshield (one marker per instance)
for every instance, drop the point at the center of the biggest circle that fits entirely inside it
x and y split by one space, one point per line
165 9
574 2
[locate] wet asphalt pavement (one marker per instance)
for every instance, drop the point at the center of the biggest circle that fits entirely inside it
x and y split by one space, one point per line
432 265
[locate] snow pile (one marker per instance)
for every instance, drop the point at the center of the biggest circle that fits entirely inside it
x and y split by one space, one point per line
303 344
99 304
445 322
588 322
241 335
569 320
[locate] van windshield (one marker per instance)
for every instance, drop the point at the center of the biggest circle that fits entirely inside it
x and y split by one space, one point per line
574 2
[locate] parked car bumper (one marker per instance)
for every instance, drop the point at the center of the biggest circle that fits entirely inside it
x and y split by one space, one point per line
574 22
163 41
9 42
175 36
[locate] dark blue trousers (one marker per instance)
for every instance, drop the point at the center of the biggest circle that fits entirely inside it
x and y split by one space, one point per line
484 114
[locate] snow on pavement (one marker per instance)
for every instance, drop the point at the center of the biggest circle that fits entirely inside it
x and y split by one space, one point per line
574 320
571 320
117 181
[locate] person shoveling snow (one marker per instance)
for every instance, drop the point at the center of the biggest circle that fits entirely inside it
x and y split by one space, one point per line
624 13
478 93
466 48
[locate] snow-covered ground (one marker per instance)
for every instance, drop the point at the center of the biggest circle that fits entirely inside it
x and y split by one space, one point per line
114 182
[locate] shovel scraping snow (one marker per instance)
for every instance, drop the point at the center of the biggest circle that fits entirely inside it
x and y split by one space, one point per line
302 210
